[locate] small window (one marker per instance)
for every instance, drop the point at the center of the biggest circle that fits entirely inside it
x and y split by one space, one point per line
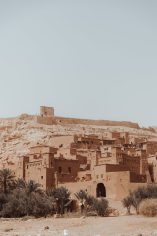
69 170
41 177
60 169
102 176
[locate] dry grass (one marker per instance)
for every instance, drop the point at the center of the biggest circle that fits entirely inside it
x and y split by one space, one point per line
148 207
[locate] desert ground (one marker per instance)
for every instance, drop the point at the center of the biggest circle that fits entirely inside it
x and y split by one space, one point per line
90 226
121 225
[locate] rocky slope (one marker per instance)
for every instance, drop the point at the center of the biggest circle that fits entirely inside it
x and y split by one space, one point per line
18 134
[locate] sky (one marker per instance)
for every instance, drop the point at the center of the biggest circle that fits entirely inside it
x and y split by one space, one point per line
87 58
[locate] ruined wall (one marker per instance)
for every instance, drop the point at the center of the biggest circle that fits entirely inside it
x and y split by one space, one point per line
63 120
45 120
46 111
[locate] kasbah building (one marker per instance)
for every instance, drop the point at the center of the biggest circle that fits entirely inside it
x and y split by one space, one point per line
107 166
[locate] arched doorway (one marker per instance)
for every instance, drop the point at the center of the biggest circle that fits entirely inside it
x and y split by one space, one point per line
100 190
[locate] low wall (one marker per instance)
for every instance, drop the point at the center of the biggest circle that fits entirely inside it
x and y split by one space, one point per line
64 120
45 120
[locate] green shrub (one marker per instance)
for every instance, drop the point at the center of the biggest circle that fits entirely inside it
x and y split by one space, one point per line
3 200
148 207
61 196
137 196
101 207
16 205
127 202
20 204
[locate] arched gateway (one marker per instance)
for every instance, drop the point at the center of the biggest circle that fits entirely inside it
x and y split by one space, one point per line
100 190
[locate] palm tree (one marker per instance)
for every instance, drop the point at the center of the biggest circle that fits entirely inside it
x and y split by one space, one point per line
32 191
7 180
86 201
30 186
62 196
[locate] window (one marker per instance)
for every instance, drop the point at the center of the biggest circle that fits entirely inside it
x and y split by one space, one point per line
102 176
60 169
41 177
69 170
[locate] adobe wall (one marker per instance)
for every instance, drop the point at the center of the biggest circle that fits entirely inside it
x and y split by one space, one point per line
151 147
64 120
66 170
46 111
116 185
134 186
35 171
115 168
45 120
76 187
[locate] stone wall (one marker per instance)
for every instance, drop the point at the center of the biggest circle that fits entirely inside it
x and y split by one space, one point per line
63 120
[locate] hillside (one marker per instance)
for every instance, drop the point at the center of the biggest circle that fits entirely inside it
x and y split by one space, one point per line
18 134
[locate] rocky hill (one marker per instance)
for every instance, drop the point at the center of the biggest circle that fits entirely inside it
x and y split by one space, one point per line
18 134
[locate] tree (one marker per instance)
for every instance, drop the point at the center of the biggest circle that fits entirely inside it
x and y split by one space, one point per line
127 202
86 200
61 196
20 204
137 196
101 206
7 180
30 186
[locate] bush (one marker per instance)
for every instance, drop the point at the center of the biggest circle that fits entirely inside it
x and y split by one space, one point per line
85 200
61 196
148 207
101 207
127 202
137 196
16 205
3 200
42 205
20 204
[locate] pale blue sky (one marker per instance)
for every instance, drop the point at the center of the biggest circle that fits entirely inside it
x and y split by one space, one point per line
87 58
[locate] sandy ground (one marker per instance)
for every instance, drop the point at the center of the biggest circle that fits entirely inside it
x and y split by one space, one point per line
90 226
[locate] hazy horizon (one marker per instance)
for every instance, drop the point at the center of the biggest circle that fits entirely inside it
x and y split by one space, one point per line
87 59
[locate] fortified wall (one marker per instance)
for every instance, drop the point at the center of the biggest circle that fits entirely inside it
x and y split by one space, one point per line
64 120
47 117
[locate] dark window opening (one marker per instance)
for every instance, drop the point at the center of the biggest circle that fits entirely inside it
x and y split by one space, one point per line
100 190
60 169
69 169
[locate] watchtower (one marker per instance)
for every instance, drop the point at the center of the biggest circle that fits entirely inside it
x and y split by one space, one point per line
46 111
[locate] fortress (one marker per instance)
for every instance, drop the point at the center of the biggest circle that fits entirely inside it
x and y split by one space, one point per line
106 165
47 116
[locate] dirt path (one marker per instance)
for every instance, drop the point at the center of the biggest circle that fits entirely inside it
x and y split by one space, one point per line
118 226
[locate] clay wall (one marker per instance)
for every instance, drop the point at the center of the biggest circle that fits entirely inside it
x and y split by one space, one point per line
67 170
136 178
132 163
136 164
46 111
116 184
35 171
150 147
116 168
44 120
64 120
115 135
20 172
